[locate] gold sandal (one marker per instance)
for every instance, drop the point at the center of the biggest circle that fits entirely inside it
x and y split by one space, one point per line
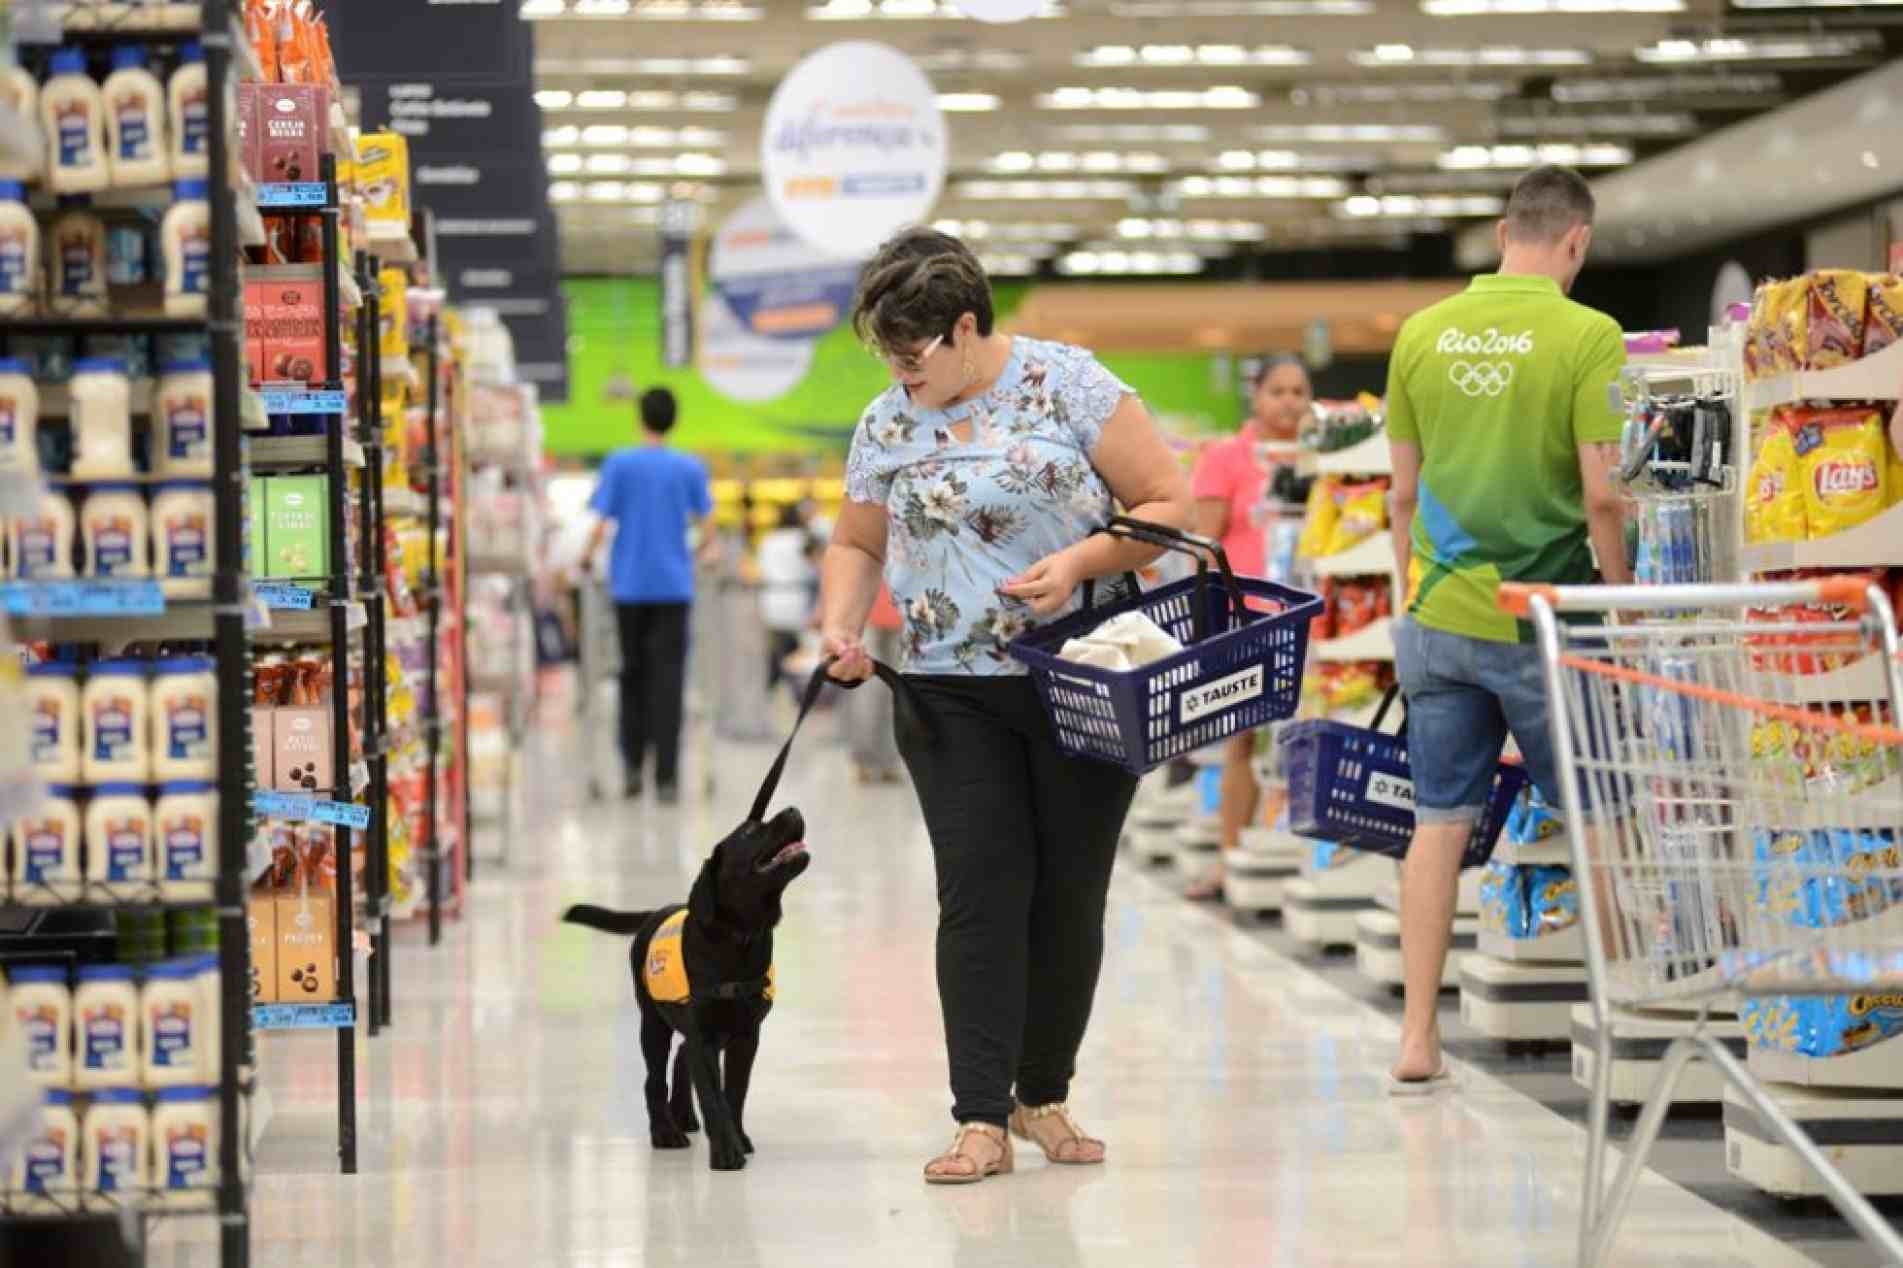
1068 1149
1001 1166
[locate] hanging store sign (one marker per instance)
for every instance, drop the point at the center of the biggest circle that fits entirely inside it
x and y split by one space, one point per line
463 39
740 364
853 147
677 284
777 284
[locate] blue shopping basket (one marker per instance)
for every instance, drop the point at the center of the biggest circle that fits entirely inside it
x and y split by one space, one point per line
1353 785
1245 641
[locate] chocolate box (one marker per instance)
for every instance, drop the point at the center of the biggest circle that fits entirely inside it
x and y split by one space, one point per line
306 949
284 311
292 123
301 749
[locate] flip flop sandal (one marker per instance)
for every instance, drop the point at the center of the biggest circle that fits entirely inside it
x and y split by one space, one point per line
1000 1166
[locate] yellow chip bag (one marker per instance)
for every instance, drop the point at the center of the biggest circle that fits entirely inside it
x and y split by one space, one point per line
1883 315
1843 460
1774 503
1836 310
1790 333
1364 512
1318 523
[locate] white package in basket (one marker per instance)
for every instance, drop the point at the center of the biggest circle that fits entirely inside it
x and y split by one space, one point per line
1129 641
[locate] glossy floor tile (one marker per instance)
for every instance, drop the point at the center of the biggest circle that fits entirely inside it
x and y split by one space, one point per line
1241 1095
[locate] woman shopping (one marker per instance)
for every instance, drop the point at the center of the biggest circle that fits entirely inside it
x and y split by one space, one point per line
1232 484
974 485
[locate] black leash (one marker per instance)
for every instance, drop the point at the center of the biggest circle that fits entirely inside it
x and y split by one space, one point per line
903 697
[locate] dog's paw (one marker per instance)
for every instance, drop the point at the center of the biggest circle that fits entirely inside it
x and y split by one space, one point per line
746 1142
669 1138
727 1158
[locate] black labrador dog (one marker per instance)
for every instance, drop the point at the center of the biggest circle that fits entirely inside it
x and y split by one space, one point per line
704 970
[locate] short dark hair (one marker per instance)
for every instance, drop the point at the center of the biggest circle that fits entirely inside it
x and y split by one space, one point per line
1547 203
1274 361
658 410
916 287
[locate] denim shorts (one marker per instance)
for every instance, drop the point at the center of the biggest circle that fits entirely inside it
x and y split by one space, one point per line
1463 696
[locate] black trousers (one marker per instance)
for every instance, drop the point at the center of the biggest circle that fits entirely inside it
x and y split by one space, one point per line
1024 839
653 684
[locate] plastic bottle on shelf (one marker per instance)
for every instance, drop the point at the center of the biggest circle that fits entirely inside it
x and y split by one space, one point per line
185 822
184 718
191 129
113 710
173 1022
182 514
115 1137
77 267
211 1047
19 251
119 836
114 526
52 701
186 231
42 1007
19 417
20 91
184 1142
73 113
46 1173
40 545
106 1027
46 850
135 120
101 419
181 414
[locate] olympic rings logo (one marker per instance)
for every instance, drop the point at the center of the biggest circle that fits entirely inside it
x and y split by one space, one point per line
1481 378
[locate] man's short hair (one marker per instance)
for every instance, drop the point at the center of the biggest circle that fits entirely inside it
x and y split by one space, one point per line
1547 204
658 410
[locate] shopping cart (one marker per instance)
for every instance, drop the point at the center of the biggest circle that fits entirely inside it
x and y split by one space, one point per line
1732 787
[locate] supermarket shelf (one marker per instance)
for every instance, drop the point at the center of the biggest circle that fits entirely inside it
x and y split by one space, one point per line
1371 457
1878 1066
69 1206
1375 642
340 141
1372 557
401 501
312 626
97 896
138 323
1863 679
82 598
1875 543
340 1015
283 452
1872 378
304 400
1568 946
391 242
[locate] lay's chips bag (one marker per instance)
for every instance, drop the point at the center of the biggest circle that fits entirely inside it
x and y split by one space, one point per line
1834 330
1883 313
1774 509
1843 460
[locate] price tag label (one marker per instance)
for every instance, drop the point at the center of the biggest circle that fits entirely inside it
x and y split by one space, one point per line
279 400
343 814
303 1016
277 594
293 194
84 598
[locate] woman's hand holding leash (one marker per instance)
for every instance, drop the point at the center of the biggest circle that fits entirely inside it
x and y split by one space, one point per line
846 658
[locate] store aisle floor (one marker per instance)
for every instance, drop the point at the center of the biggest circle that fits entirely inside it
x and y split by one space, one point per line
1241 1096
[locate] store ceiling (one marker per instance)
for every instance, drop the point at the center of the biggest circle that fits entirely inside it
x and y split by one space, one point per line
1125 136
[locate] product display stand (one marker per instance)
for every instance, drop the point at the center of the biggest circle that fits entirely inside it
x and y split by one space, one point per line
431 716
1321 907
376 732
124 612
1258 871
1378 933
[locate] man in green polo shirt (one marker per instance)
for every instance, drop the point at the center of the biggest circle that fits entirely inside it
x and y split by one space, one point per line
1504 438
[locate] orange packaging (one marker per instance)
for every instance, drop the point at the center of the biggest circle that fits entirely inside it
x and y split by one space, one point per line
258 28
1774 508
1843 461
1883 313
1834 328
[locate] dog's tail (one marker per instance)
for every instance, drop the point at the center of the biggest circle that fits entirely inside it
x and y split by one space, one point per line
605 920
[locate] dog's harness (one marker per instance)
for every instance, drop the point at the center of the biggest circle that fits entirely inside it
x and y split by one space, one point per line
666 971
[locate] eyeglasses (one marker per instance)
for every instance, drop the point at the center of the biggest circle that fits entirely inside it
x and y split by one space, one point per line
910 363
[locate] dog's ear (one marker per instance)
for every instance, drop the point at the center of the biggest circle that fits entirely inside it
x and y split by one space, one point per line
704 898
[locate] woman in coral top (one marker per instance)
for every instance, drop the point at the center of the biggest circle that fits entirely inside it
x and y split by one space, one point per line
1231 484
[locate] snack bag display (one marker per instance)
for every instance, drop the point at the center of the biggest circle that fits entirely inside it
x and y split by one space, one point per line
1502 900
1834 329
1552 901
1843 460
1822 1026
383 174
1364 512
1774 501
1318 522
1883 313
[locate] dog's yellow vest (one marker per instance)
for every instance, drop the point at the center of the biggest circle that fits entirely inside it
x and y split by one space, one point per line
666 969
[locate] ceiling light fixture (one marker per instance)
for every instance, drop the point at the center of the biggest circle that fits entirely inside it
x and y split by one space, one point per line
1489 55
1353 133
701 11
1469 158
1182 10
1147 263
1220 97
1009 264
1654 87
1387 93
872 10
1260 187
601 8
1761 48
967 102
1044 190
1815 4
533 10
1492 8
1292 161
1622 123
554 99
1178 55
1134 133
1368 206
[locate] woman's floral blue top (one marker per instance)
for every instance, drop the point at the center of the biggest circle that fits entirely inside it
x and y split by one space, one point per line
977 493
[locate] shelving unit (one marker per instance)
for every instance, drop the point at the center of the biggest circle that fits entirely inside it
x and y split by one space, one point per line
222 620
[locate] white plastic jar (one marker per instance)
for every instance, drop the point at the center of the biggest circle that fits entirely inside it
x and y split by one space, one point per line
181 418
184 1142
185 826
46 850
19 252
173 1017
78 267
102 419
113 710
52 701
115 1140
184 718
21 91
19 414
115 529
186 234
187 94
136 148
42 1007
212 1032
119 836
73 116
182 514
40 545
106 1027
47 1171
